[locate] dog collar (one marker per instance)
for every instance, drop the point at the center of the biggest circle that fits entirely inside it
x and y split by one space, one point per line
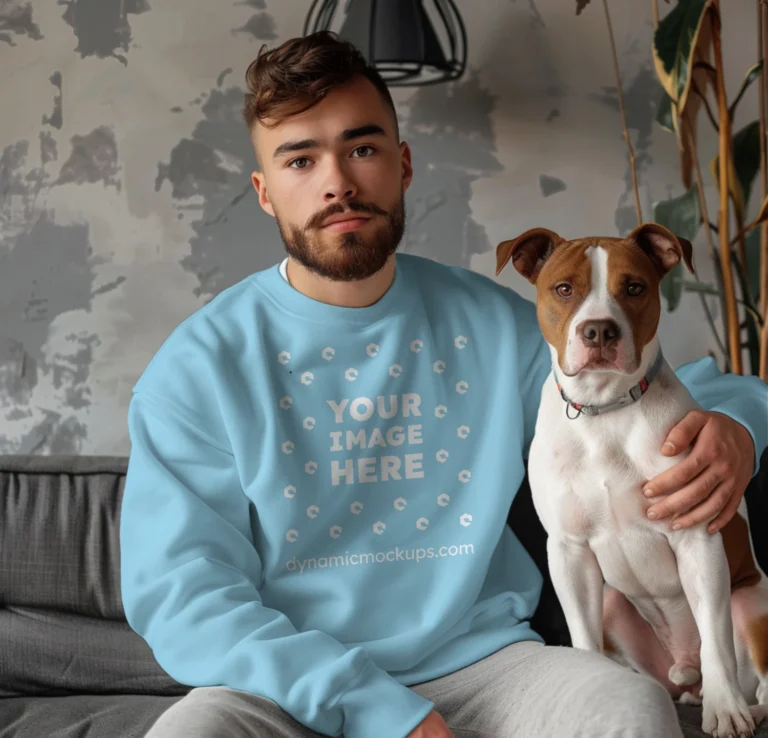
634 393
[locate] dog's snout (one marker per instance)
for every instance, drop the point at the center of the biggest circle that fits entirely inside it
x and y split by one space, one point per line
600 332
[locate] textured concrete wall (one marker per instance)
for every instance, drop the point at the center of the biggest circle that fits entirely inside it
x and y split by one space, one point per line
125 200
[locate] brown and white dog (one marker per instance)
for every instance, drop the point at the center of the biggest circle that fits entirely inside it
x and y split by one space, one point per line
686 607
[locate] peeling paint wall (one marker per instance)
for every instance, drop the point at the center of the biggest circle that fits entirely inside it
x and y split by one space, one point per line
125 195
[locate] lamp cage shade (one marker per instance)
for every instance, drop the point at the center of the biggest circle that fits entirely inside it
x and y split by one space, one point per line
410 42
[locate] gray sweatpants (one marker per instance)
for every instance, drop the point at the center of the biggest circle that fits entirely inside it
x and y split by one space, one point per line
525 690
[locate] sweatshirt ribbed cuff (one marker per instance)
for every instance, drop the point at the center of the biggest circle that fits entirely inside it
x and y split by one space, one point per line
378 706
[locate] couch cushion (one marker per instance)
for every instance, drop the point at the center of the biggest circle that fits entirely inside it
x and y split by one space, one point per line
62 624
86 716
548 620
757 505
44 652
59 533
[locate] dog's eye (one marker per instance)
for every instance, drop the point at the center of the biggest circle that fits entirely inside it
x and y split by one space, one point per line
564 290
635 288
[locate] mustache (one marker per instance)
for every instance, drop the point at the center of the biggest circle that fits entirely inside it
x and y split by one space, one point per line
316 221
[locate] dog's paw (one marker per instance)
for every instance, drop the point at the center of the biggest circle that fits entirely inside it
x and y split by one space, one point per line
759 713
684 675
726 715
689 698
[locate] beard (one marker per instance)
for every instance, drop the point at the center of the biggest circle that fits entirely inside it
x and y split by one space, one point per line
350 256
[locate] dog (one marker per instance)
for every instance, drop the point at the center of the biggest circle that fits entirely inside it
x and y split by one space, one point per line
653 599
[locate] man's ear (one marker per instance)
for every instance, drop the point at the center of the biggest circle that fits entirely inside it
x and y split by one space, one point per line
406 164
257 178
663 247
528 252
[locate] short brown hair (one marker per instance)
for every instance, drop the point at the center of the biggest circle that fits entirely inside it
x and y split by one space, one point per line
299 73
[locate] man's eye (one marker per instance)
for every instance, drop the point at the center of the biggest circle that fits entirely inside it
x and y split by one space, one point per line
299 163
370 149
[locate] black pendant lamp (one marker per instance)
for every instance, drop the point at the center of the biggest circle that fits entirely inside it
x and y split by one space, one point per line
410 42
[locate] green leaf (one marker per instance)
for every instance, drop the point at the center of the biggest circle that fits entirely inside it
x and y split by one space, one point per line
665 112
672 287
746 157
745 166
674 46
707 289
682 216
752 74
580 5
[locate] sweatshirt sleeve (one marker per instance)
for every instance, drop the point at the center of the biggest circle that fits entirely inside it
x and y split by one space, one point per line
743 398
190 575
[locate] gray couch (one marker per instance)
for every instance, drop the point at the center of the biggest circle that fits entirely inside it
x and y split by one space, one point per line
70 667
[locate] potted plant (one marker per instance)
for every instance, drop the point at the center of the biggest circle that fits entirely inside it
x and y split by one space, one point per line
688 58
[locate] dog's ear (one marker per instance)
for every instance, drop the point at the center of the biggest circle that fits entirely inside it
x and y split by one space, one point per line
528 252
663 247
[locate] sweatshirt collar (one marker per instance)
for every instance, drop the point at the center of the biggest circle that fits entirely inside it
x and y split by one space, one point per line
395 300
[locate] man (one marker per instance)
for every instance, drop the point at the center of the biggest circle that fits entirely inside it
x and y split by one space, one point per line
323 458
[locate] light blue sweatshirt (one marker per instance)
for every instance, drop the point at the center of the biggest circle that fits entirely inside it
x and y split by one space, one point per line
316 500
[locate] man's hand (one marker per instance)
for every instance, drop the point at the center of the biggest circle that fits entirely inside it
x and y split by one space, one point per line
712 480
433 726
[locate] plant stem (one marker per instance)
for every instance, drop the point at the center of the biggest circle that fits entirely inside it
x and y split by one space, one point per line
623 114
713 327
742 233
710 70
741 243
695 87
758 318
762 40
732 314
655 6
710 241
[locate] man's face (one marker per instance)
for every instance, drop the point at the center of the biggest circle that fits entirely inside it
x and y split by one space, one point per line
338 161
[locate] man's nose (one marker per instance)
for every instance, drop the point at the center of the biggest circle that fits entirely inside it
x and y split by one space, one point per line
339 186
